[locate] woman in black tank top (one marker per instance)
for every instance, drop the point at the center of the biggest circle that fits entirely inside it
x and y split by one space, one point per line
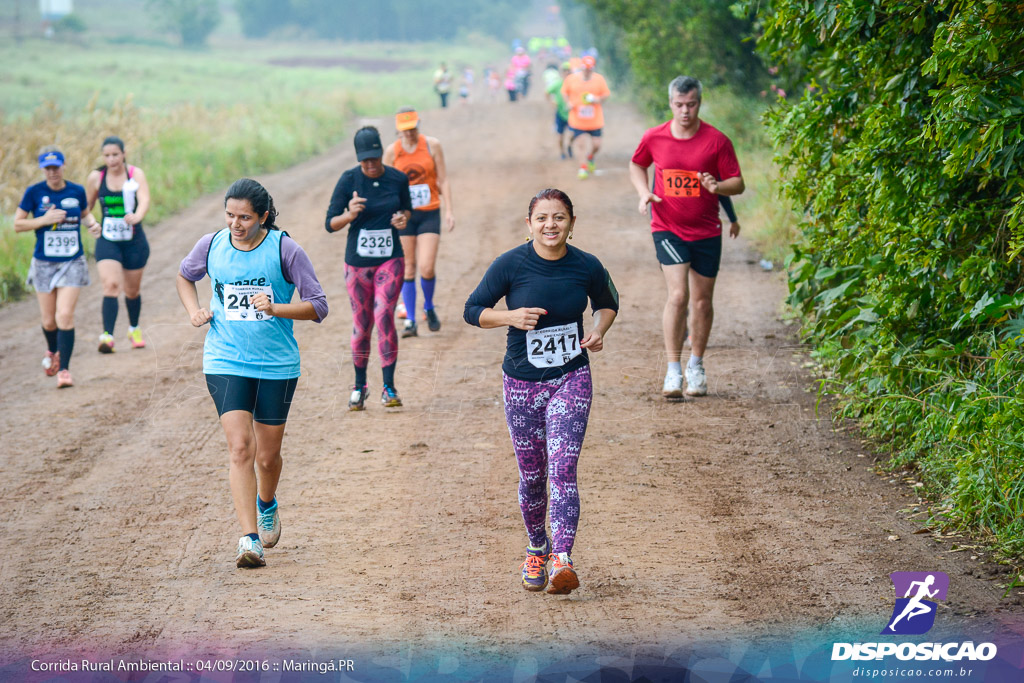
122 249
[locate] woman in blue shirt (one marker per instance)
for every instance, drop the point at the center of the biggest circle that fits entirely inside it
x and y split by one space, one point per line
54 209
250 357
546 284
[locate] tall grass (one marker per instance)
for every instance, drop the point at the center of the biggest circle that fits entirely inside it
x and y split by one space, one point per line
78 137
186 152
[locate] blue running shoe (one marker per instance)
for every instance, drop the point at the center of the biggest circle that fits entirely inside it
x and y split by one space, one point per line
535 567
269 525
389 397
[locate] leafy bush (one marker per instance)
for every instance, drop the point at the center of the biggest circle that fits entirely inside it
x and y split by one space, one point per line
905 154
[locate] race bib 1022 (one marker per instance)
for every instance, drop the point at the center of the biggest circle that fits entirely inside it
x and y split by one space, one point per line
679 183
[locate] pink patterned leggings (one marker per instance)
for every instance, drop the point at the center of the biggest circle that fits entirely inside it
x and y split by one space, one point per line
373 293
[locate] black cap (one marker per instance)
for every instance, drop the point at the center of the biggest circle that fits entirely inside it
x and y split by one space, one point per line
368 144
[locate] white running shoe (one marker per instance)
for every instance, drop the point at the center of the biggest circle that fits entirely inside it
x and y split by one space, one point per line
250 554
673 387
696 380
269 525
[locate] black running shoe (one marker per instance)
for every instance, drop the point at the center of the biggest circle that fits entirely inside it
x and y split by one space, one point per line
433 322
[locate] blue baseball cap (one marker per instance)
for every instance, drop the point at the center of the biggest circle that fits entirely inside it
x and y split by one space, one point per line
51 159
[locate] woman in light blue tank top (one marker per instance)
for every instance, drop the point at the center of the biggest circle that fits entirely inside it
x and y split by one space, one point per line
251 358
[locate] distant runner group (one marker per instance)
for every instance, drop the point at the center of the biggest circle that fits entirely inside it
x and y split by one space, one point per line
393 204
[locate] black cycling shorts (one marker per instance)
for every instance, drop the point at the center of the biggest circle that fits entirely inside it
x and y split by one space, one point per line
132 255
421 222
268 400
704 256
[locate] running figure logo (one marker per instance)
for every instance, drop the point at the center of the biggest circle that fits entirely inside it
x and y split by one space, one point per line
914 613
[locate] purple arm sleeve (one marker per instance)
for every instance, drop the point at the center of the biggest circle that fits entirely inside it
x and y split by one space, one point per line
193 266
298 269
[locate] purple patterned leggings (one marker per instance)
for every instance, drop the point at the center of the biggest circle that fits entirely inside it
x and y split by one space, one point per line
373 293
547 421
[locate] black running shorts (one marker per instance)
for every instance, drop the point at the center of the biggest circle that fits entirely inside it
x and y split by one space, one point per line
132 254
268 400
704 256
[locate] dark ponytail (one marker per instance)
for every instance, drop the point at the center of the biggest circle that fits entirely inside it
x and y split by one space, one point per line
257 196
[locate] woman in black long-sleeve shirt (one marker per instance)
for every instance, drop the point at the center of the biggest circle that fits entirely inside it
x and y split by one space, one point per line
546 284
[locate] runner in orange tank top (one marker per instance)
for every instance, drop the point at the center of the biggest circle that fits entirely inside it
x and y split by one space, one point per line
421 158
585 92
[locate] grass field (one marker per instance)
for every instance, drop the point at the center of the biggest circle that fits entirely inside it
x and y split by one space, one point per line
227 73
194 119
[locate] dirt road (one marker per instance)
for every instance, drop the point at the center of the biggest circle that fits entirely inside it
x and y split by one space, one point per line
733 514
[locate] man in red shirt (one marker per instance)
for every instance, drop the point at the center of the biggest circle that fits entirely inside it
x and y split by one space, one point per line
693 164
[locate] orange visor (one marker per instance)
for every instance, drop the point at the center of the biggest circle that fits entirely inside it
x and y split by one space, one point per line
406 120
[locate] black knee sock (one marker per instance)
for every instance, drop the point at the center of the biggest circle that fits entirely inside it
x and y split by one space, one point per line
360 377
109 314
65 344
134 307
389 374
51 340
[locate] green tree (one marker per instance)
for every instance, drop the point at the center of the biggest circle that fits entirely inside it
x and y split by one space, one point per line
260 17
192 20
663 39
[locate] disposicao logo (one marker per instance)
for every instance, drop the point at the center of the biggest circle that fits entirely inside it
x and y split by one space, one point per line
914 614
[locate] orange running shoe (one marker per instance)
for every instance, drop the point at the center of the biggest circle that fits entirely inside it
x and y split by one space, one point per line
563 576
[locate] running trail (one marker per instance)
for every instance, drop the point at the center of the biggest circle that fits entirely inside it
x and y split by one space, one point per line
734 514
